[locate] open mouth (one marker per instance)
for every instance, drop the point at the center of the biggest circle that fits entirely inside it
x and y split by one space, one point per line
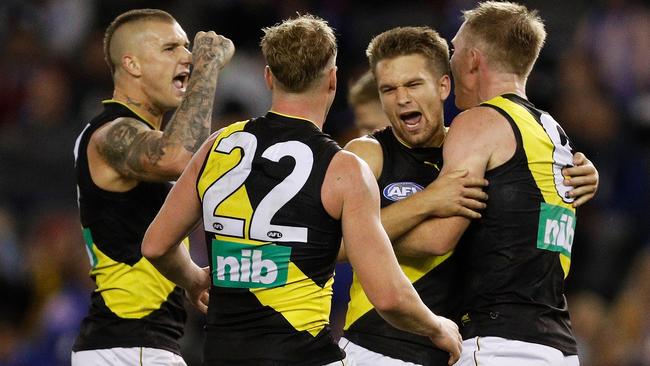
180 81
411 119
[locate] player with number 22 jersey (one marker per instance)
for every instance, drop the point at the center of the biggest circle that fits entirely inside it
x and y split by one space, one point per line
265 271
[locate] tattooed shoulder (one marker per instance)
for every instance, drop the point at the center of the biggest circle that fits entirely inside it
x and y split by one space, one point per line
118 138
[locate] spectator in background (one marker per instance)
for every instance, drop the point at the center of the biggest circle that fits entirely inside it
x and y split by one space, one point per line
60 286
14 340
21 55
92 80
611 225
614 37
363 98
628 321
35 148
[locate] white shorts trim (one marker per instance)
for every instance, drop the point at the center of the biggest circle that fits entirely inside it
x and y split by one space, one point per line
496 351
365 357
347 361
133 356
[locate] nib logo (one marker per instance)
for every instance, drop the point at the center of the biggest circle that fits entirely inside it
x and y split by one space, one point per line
249 266
556 229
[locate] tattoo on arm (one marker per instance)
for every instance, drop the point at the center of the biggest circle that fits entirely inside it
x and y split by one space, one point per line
129 146
208 54
191 123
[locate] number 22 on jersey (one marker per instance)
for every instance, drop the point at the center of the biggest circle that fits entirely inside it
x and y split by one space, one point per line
238 151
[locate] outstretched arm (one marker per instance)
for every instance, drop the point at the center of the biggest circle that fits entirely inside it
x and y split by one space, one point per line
136 152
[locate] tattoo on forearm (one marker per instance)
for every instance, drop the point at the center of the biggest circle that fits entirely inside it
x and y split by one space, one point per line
205 46
191 123
209 53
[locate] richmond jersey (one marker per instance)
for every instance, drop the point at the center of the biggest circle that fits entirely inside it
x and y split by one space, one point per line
271 244
133 304
518 254
404 172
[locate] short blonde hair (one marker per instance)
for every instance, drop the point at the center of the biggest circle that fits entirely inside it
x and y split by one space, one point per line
364 90
404 41
298 50
512 35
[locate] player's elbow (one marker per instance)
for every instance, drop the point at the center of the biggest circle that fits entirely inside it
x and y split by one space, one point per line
424 248
440 244
150 249
174 165
440 248
391 303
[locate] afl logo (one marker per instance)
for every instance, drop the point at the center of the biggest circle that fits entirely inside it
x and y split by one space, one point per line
400 190
274 234
217 226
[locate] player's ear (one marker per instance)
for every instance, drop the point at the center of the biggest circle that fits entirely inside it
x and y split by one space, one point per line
444 87
475 58
131 64
268 77
332 78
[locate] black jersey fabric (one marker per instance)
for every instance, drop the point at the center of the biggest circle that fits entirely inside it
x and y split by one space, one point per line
517 255
405 171
271 244
133 305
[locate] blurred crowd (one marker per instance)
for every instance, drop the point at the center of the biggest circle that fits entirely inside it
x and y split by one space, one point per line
593 76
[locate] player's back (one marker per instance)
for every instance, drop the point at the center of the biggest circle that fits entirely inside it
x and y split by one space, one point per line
518 254
271 244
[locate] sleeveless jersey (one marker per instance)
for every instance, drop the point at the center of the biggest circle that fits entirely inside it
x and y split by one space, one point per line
272 246
517 255
405 171
133 304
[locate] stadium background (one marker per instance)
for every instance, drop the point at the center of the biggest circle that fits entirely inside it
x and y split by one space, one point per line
593 76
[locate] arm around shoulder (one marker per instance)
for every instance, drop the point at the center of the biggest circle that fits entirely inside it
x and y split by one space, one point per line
584 178
468 147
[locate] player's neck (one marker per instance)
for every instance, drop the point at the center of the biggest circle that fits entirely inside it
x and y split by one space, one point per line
139 104
304 106
500 84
